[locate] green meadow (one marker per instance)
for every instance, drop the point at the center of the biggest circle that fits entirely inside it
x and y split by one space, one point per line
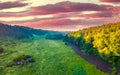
51 57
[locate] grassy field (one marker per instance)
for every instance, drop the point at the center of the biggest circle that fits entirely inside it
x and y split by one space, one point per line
52 57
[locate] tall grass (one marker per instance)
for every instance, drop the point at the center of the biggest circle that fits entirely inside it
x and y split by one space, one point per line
51 58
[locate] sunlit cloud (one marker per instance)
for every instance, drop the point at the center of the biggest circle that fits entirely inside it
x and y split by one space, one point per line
89 12
62 15
8 5
110 0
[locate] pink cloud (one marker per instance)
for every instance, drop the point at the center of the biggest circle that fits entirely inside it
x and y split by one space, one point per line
63 12
114 10
51 22
100 14
110 0
66 23
66 7
8 5
62 7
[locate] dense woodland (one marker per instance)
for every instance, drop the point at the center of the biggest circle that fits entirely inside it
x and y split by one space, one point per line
102 41
21 32
18 32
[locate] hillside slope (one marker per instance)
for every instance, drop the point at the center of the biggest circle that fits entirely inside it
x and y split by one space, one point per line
102 41
18 31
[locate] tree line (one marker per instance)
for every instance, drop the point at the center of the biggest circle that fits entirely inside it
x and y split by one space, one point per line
102 41
19 32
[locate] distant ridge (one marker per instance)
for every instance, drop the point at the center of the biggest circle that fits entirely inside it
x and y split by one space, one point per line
19 32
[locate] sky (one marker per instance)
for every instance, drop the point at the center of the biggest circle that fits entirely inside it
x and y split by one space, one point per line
59 15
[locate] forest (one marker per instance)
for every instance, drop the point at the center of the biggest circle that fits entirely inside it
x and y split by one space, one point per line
102 41
27 51
19 32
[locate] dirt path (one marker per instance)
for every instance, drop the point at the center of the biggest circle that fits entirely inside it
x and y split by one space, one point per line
99 63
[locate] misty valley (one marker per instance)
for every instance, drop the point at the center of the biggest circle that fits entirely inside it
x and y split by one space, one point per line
28 51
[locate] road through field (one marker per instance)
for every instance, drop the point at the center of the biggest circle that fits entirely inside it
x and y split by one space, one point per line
99 63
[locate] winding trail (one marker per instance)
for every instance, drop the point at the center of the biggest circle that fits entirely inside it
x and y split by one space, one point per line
99 63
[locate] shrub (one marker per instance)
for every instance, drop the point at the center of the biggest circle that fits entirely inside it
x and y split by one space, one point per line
21 60
1 50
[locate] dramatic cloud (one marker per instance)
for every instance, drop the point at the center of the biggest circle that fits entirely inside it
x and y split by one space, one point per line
68 23
115 10
66 7
110 0
65 15
62 7
8 5
105 14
